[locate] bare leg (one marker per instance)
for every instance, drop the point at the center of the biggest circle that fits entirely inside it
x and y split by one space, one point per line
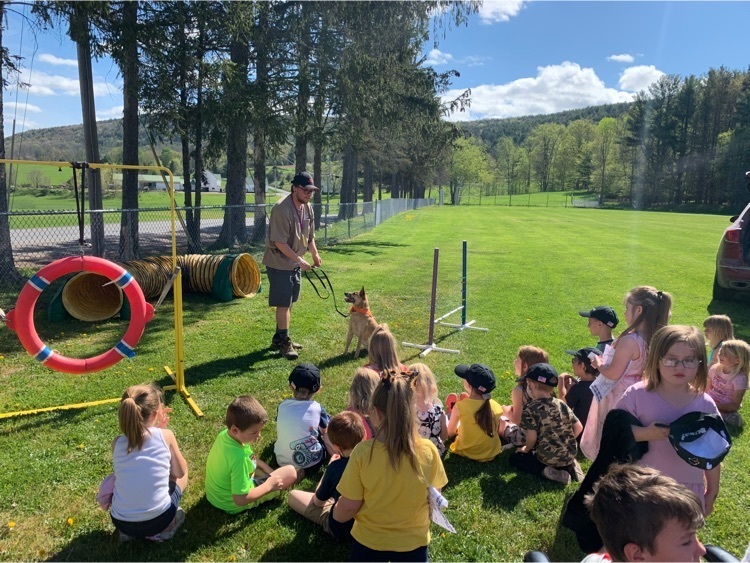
283 314
287 474
182 482
300 500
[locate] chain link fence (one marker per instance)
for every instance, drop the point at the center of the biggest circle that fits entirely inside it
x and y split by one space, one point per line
39 237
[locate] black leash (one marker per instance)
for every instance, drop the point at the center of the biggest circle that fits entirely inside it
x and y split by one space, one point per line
323 279
80 207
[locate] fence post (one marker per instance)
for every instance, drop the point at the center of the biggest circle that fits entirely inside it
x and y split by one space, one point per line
229 228
325 227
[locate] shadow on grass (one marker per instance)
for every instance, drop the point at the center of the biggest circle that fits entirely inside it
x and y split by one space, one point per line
56 418
204 526
309 542
371 248
738 309
237 365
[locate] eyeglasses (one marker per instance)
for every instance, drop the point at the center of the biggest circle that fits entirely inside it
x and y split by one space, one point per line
307 190
687 363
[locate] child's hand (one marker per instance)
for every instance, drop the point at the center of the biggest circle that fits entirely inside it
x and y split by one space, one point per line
334 457
656 431
162 416
275 483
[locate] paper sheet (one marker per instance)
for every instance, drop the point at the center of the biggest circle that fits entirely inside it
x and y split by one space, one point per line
437 504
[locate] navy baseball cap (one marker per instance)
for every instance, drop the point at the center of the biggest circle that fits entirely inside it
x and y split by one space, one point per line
305 180
582 354
479 376
305 376
700 439
602 313
542 373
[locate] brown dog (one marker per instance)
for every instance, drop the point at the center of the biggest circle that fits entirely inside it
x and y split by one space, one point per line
361 322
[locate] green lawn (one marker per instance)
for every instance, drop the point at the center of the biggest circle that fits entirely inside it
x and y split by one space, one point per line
530 271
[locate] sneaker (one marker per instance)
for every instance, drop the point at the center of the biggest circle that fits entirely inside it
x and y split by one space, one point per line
277 342
123 537
557 475
734 419
578 473
450 401
287 349
169 532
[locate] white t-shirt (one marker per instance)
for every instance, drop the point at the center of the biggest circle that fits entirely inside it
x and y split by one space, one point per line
297 441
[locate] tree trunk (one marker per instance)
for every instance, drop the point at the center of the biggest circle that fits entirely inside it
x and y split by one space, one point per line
91 138
348 183
234 217
367 181
129 244
9 275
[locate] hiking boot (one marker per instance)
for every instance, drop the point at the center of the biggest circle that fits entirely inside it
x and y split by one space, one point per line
277 342
287 349
169 532
578 474
557 475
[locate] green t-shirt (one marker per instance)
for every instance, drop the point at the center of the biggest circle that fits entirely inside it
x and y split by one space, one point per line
229 471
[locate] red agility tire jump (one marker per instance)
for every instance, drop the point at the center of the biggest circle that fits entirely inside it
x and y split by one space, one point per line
21 319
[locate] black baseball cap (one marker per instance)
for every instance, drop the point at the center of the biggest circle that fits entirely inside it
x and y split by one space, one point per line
602 313
305 376
542 373
582 354
305 180
701 439
479 376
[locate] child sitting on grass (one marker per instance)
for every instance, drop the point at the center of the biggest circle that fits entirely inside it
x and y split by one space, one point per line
717 329
602 320
727 379
301 423
360 391
433 424
236 479
575 390
474 420
345 431
551 430
643 515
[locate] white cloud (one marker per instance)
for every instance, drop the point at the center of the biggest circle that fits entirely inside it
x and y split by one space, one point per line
437 57
53 60
111 113
637 78
28 125
21 108
495 11
43 84
623 58
555 88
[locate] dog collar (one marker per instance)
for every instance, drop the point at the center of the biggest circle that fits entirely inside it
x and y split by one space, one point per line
363 311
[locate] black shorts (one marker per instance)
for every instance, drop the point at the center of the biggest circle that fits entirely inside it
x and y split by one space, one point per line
283 286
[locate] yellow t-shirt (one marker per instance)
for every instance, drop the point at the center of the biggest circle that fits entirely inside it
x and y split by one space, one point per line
472 441
395 515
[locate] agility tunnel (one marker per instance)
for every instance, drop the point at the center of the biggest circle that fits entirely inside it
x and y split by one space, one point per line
91 297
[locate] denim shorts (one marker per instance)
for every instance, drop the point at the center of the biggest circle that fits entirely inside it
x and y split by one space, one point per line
152 527
283 286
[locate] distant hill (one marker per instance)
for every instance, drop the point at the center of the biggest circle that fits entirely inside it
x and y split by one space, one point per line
517 128
66 143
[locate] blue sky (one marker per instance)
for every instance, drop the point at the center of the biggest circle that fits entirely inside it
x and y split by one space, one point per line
517 57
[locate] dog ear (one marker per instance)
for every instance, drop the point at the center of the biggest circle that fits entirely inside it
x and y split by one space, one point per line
362 292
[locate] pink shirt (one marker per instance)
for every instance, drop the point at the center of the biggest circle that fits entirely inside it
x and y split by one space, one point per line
722 386
648 407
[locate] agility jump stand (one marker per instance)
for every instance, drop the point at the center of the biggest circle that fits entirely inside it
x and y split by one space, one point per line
462 308
430 346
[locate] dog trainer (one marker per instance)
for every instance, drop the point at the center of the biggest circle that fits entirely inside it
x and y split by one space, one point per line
290 234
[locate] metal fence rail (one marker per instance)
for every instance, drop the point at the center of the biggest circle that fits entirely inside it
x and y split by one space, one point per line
39 237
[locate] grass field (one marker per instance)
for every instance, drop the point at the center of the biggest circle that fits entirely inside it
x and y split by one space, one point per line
530 271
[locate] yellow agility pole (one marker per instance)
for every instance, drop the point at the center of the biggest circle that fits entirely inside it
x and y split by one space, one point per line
178 376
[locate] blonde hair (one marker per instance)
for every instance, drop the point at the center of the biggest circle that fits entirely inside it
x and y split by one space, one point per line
138 406
397 426
722 327
740 350
663 340
382 349
360 391
425 384
655 308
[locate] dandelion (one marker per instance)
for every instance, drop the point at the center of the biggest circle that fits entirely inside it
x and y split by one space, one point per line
150 369
11 524
69 521
232 558
80 446
2 357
